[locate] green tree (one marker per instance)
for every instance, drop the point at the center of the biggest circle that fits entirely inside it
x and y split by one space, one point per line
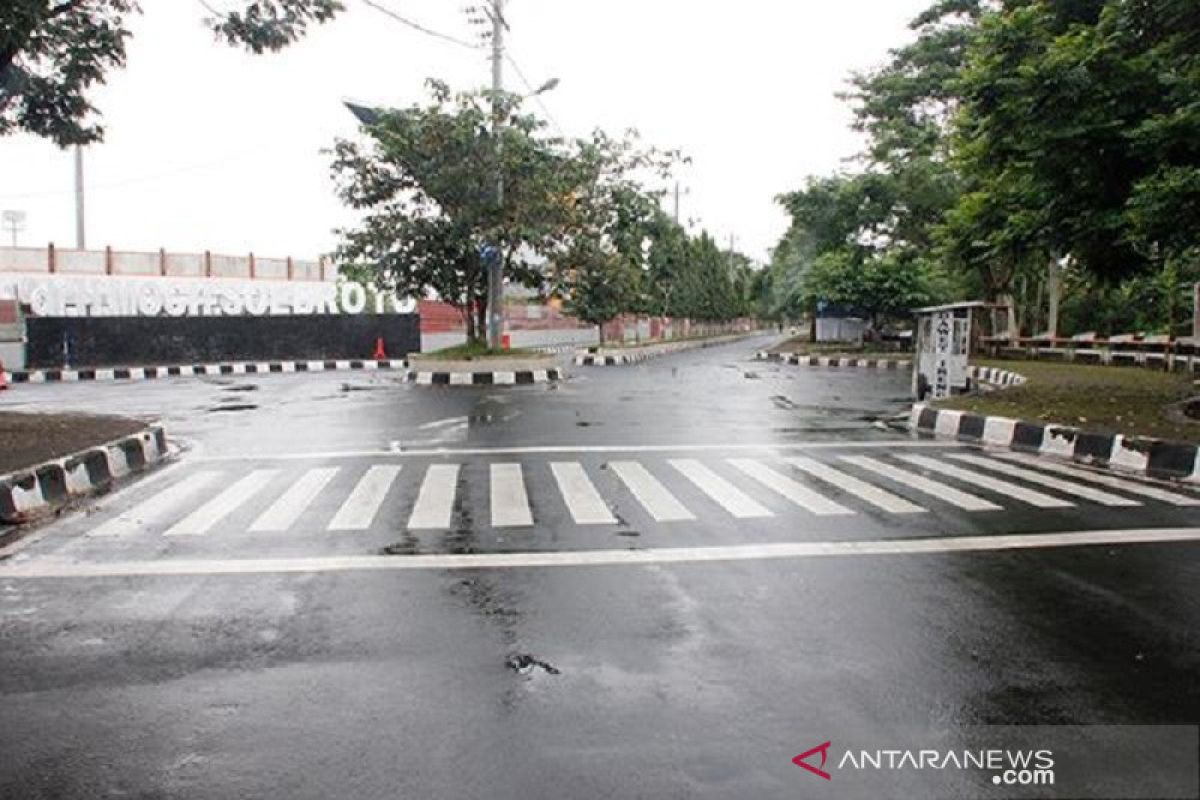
426 184
52 52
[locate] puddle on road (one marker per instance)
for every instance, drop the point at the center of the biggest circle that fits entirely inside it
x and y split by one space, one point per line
241 387
782 402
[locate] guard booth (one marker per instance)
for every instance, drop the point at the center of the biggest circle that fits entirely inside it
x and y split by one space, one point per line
947 336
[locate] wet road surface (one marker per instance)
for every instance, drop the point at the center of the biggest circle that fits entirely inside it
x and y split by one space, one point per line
663 580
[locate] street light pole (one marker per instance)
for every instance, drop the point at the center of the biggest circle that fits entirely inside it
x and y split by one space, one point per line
80 230
495 266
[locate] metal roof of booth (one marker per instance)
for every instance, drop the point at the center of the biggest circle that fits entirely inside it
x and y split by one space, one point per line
958 306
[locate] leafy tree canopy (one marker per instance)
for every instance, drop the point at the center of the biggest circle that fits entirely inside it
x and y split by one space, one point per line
53 52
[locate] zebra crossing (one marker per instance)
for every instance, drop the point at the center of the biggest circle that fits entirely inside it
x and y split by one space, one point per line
358 497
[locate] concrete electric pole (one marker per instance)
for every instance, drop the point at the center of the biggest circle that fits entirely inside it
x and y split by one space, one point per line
495 266
80 229
14 221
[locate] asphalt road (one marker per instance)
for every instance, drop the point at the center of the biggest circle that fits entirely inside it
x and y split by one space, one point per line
664 580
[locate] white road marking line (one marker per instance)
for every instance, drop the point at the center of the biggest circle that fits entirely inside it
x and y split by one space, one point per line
580 495
563 449
991 484
435 501
793 490
731 498
1066 487
359 509
510 503
224 504
54 568
1113 481
948 494
880 498
654 497
158 507
438 423
292 503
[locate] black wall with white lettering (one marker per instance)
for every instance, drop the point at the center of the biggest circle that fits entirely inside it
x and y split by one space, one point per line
133 341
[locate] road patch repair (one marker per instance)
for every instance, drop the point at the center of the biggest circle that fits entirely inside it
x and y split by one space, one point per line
609 356
50 476
66 375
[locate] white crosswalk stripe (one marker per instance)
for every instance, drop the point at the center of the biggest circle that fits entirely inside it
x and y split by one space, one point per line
206 516
357 513
861 489
510 502
948 494
1066 487
158 507
1112 481
654 497
991 484
731 498
294 502
795 491
670 491
586 505
435 502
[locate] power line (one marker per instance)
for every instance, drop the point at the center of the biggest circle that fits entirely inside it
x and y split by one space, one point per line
529 87
419 27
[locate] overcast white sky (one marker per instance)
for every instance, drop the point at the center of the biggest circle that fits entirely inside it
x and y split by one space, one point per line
211 148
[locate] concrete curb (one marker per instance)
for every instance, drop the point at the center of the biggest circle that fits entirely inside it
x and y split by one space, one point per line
584 358
45 488
1154 458
796 359
523 377
192 370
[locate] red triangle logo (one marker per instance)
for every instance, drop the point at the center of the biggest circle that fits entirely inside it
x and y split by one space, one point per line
800 761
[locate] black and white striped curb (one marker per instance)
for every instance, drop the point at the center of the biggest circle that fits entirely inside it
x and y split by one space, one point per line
40 490
995 376
192 370
557 348
1155 458
798 359
498 378
586 358
590 360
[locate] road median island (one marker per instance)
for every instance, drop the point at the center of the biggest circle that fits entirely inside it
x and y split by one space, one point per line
800 352
1130 420
48 460
608 355
471 365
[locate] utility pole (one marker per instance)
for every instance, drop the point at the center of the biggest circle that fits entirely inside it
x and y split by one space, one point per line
676 202
495 267
80 230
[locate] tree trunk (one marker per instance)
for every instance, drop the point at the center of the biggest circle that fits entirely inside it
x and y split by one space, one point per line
469 318
481 326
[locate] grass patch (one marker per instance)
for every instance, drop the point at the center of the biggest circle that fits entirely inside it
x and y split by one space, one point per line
474 350
800 345
1129 400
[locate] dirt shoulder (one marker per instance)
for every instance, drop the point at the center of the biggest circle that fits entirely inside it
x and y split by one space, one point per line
29 439
1131 400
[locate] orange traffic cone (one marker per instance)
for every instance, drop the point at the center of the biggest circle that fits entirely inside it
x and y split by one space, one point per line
380 353
3 378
